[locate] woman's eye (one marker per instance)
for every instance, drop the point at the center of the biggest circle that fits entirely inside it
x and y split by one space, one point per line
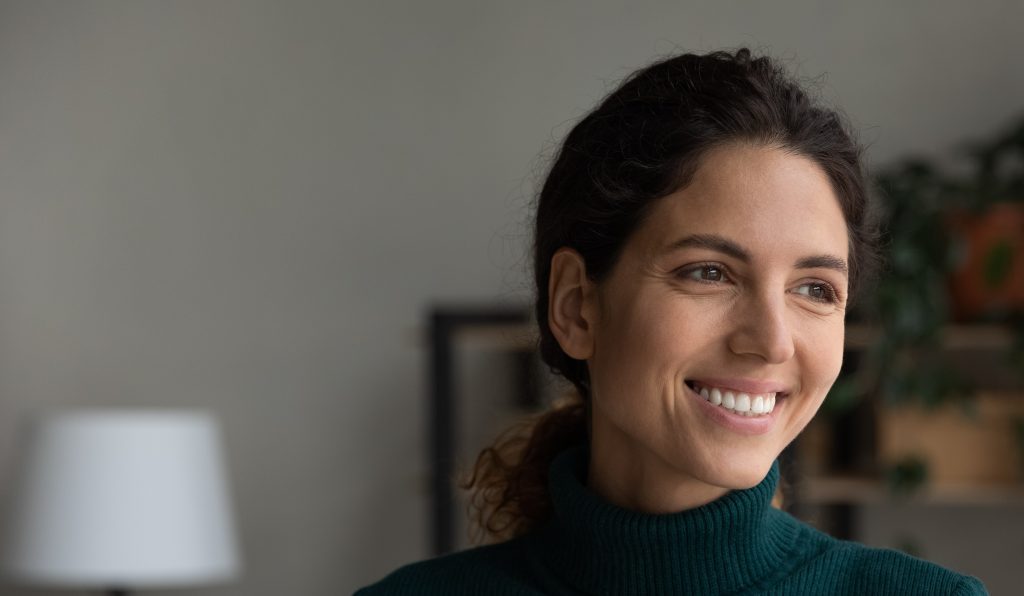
707 273
819 292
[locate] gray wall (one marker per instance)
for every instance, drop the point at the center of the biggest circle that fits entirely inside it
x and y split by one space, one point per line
248 206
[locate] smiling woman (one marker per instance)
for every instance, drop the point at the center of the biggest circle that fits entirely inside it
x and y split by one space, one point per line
698 239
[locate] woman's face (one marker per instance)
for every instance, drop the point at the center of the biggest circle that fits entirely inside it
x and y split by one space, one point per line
736 284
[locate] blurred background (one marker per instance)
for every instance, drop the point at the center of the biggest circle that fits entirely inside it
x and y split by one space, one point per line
258 208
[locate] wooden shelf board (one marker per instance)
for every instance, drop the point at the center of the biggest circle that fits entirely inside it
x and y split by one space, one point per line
840 490
954 337
512 337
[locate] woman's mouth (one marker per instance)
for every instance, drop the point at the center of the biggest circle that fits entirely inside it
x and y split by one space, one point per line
737 402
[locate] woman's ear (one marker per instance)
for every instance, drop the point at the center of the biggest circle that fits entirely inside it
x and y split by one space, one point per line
572 304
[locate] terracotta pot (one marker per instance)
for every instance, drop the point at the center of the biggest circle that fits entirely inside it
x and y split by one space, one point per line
994 240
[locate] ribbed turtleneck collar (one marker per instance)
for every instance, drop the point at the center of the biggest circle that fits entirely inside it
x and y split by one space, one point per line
729 545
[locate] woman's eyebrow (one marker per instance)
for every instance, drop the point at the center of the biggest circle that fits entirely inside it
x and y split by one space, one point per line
824 262
725 246
712 242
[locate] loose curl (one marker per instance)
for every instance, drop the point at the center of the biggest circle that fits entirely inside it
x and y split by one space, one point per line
644 141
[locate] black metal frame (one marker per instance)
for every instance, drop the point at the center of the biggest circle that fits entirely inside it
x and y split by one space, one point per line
445 322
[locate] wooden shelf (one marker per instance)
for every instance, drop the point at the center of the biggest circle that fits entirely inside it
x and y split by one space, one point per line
954 337
838 490
519 337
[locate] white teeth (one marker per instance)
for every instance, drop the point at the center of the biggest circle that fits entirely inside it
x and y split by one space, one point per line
716 397
743 404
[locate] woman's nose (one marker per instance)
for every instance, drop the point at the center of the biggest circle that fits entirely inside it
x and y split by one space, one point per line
762 329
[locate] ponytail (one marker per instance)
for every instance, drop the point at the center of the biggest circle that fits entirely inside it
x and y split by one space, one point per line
509 480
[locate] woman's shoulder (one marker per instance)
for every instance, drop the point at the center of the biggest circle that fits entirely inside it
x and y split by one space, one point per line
498 569
856 568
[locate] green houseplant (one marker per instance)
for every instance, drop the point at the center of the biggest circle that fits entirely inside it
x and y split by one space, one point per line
912 304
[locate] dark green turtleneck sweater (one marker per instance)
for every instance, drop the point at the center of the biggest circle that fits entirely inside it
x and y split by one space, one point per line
738 544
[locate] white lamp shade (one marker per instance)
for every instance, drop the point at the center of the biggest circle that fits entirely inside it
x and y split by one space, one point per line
130 498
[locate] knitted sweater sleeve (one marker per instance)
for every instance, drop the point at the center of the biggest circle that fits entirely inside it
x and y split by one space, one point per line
970 586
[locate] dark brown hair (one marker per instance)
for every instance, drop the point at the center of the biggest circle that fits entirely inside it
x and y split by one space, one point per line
644 141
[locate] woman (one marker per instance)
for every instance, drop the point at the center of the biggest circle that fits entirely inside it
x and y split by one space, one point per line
698 240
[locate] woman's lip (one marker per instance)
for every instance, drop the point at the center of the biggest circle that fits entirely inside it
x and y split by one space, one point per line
751 386
744 425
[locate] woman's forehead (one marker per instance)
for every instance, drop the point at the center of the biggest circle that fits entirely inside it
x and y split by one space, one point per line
756 197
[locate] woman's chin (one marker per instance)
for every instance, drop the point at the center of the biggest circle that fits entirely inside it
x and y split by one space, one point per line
739 476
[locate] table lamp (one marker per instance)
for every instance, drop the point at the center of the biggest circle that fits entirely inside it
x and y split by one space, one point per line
121 499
